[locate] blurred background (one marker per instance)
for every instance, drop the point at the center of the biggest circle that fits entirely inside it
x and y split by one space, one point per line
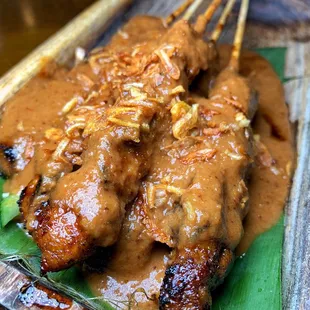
24 24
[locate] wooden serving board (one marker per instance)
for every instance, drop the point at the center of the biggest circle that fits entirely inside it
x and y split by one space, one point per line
271 23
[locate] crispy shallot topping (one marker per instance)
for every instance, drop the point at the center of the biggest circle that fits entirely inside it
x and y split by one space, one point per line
263 156
137 93
54 134
201 155
235 104
70 105
177 90
91 96
120 122
178 110
76 126
171 68
242 121
187 122
58 153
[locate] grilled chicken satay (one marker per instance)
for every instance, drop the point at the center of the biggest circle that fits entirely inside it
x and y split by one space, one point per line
85 89
212 224
88 204
195 196
212 196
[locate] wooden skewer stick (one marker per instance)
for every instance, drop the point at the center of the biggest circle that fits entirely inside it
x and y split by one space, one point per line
174 15
204 19
222 21
192 9
235 55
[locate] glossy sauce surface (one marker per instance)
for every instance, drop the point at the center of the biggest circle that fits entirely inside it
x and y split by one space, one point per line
268 185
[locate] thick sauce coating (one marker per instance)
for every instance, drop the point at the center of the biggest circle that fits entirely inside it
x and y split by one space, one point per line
268 186
69 212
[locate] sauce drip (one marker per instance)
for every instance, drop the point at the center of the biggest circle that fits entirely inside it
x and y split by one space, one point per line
138 289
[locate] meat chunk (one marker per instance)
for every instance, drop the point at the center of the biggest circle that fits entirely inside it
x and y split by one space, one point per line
195 195
193 273
119 146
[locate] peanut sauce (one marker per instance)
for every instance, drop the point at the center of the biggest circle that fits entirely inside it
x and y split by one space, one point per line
38 107
268 186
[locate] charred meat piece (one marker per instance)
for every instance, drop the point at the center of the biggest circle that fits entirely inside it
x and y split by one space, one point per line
7 158
119 145
194 272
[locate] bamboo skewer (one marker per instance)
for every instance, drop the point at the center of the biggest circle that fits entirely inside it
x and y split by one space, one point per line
174 15
192 9
190 6
235 55
205 18
222 21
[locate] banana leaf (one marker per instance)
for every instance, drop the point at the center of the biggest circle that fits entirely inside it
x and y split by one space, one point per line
8 209
253 283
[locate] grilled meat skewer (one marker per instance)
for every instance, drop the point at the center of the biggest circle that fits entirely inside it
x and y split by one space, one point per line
117 153
212 225
195 196
214 200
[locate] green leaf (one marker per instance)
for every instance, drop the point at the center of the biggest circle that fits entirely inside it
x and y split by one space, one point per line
16 244
276 56
14 241
255 280
9 209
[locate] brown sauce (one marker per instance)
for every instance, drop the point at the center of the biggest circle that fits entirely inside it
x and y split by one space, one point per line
26 117
137 290
268 185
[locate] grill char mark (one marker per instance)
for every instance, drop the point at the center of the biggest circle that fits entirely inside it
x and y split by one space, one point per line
193 274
